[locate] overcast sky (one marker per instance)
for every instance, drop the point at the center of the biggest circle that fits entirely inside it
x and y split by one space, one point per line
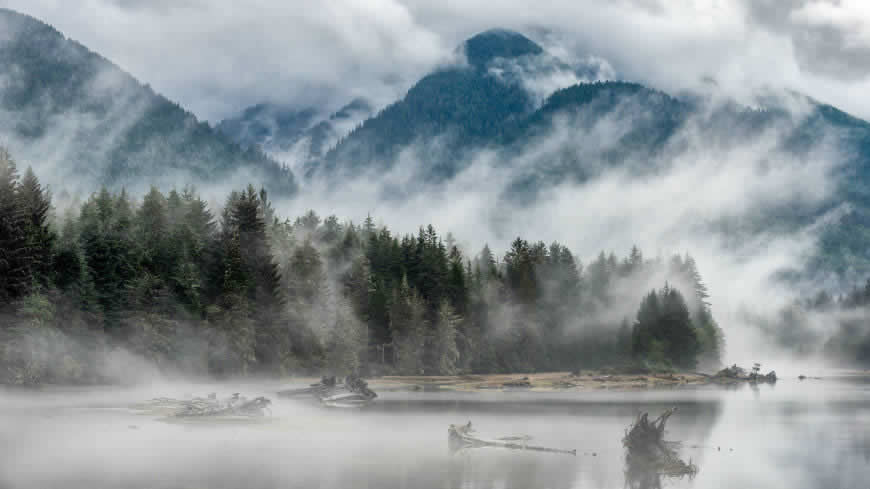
218 56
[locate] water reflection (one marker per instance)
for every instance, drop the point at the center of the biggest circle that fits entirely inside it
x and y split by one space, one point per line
490 468
796 436
649 457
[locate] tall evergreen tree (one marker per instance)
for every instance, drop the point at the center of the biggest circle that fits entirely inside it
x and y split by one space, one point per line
408 329
457 286
664 331
153 233
39 237
111 251
520 272
445 340
488 265
15 279
247 218
347 344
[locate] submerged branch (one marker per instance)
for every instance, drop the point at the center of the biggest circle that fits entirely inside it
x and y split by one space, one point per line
462 437
235 405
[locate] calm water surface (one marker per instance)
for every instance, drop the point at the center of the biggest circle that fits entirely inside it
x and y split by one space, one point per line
795 435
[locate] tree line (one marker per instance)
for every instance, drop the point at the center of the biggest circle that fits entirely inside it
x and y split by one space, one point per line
242 291
834 326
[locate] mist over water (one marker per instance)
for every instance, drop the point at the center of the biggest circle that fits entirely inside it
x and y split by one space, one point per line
792 435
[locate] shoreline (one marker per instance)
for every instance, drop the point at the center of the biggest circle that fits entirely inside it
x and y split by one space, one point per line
537 382
590 380
587 380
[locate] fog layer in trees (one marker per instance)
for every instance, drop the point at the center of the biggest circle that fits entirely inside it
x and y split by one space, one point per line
243 291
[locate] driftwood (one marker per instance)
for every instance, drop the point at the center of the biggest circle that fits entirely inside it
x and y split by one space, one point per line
235 405
353 392
462 437
518 383
649 455
325 384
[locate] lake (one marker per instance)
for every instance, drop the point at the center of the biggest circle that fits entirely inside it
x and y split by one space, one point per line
795 435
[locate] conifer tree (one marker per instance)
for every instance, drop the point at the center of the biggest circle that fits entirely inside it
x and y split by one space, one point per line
445 341
305 278
378 312
347 343
664 331
15 279
488 265
175 208
357 285
247 218
153 233
235 349
408 329
36 205
110 249
457 286
520 272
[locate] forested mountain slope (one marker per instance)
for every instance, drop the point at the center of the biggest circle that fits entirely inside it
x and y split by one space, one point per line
83 121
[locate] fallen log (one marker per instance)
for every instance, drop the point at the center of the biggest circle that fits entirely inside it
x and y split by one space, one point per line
235 405
462 437
353 392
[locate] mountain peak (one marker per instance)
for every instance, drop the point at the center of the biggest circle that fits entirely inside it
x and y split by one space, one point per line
498 43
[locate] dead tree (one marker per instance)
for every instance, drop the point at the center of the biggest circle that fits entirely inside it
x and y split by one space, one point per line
648 453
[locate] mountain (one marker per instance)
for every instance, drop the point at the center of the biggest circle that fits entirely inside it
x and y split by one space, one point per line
269 126
455 108
578 131
80 120
296 136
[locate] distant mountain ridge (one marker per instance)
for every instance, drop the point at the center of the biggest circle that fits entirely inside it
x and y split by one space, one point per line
454 108
468 105
78 118
292 135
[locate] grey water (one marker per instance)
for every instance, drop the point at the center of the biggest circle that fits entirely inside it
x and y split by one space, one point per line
796 435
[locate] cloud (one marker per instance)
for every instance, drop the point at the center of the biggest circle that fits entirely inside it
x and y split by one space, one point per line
851 18
830 39
219 56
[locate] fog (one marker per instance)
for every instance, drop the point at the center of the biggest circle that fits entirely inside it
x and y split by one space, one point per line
767 436
671 203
